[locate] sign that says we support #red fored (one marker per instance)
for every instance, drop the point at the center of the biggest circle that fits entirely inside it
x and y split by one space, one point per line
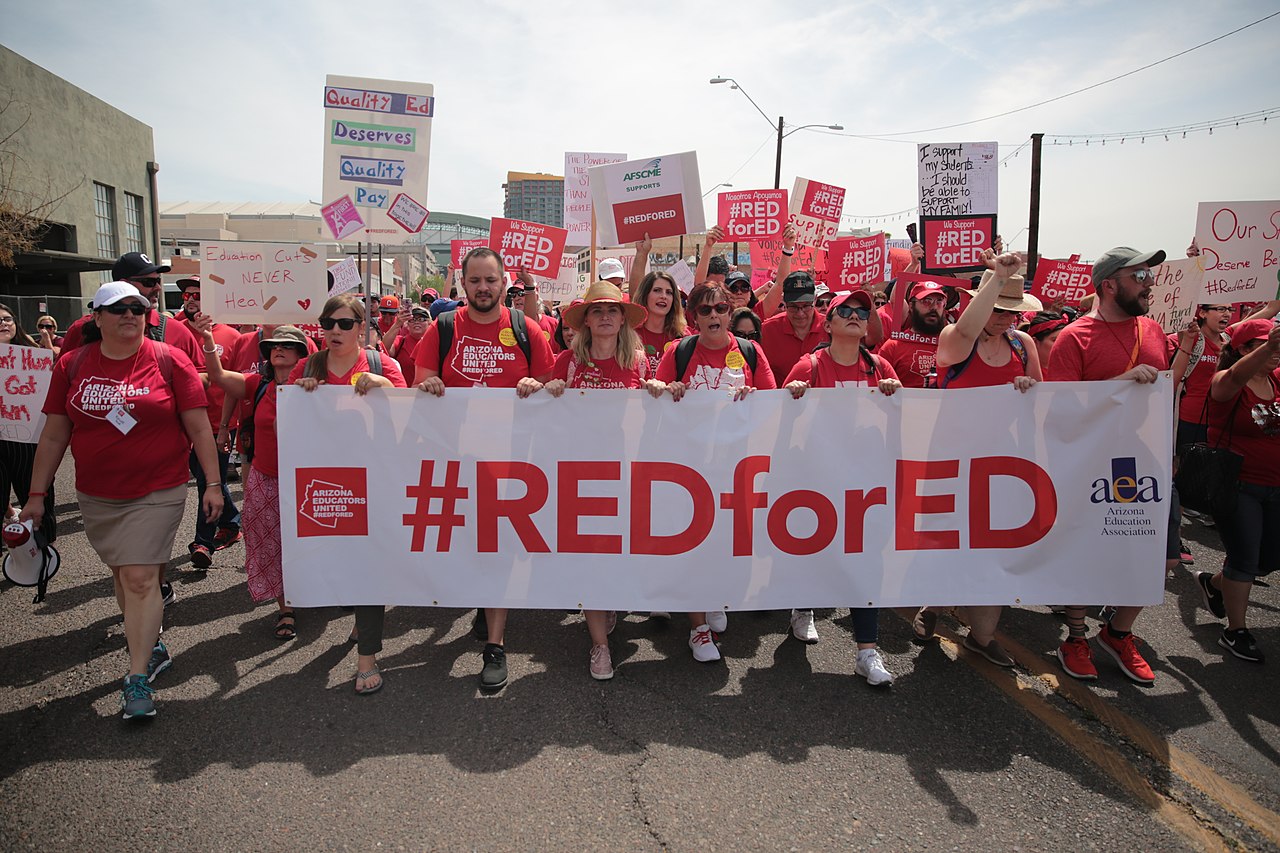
752 215
528 245
956 244
1062 280
853 262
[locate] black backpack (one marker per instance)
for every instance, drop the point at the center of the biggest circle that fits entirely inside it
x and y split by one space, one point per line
684 354
444 324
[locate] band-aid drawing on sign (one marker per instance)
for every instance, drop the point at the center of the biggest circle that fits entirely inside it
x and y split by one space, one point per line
270 302
217 279
310 254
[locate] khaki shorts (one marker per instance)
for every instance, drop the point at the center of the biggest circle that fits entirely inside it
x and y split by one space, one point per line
136 531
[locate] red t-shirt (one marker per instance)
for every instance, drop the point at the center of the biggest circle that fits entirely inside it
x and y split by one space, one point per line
176 334
655 344
912 356
712 369
244 358
404 349
266 450
1109 348
979 374
1255 433
1196 390
784 348
604 373
390 369
549 324
486 353
152 456
830 374
225 340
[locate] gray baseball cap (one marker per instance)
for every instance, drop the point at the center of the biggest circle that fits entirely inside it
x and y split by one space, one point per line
1120 257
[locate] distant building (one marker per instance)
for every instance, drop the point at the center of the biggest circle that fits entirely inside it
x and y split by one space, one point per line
534 198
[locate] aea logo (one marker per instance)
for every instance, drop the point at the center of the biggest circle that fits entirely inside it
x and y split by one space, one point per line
1125 486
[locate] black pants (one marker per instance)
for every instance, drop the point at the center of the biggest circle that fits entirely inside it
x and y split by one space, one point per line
16 459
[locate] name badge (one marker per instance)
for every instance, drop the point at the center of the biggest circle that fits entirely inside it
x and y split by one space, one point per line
120 418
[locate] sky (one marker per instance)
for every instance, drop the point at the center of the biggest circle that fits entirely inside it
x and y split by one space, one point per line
234 93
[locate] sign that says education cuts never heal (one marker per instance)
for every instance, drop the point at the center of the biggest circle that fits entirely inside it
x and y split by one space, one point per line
613 500
377 148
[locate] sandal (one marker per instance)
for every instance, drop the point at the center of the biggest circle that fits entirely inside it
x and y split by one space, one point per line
363 678
285 630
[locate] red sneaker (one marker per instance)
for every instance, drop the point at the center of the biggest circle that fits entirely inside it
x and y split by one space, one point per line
225 537
1125 651
1077 660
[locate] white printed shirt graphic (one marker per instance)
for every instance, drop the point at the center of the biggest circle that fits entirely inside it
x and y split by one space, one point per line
97 396
713 378
1267 417
476 360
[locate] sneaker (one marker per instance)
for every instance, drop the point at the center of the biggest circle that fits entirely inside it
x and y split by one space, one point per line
1105 614
601 663
167 593
226 537
1240 643
160 661
201 557
802 627
1125 651
1187 512
717 620
493 677
136 699
991 651
1077 659
924 624
1211 595
1185 555
703 647
480 626
871 667
611 621
659 614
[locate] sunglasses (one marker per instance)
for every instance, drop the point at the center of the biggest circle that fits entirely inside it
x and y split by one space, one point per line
48 326
740 287
718 308
147 282
188 295
292 347
346 324
1004 311
1142 275
751 336
120 308
844 312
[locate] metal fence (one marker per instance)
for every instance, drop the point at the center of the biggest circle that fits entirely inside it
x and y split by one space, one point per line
29 309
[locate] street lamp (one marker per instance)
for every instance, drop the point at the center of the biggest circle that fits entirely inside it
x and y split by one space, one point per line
716 187
777 169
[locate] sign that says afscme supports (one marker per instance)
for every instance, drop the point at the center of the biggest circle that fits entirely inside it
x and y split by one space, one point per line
481 498
376 153
1240 250
661 196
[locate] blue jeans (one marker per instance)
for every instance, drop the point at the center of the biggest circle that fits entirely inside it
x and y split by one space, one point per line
206 529
866 624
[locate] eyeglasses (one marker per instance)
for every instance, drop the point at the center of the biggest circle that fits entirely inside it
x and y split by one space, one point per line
188 295
48 326
277 346
344 323
933 301
844 312
153 281
8 321
120 308
718 308
1142 275
799 306
751 336
740 287
1224 308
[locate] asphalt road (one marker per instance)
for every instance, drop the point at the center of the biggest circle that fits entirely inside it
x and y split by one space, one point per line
261 745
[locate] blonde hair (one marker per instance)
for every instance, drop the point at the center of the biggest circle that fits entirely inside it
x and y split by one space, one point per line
628 343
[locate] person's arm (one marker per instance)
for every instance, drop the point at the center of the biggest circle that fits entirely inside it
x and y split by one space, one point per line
1266 312
196 424
227 380
1186 344
917 255
223 438
394 332
956 340
875 328
54 439
640 266
773 296
713 236
1230 382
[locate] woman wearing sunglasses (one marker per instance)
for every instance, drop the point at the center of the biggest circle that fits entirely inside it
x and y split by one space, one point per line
345 361
981 349
130 409
47 334
716 362
746 325
847 363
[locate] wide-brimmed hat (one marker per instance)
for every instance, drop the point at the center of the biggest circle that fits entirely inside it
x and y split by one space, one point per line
603 293
1013 294
284 335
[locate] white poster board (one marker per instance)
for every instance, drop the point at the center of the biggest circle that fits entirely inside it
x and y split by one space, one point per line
660 196
958 178
577 192
262 282
1240 249
24 383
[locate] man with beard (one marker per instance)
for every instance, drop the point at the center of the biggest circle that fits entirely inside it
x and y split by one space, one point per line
1116 341
911 352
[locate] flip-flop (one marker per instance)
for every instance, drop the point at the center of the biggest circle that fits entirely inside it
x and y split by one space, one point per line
362 677
286 630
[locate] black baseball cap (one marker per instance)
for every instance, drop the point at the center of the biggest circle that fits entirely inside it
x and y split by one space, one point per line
798 287
135 264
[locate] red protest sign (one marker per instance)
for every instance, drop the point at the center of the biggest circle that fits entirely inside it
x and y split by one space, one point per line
528 245
853 262
751 215
815 211
956 243
458 250
660 216
1062 280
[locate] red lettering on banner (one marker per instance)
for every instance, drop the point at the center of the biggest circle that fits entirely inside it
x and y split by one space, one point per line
856 504
911 504
743 501
816 503
643 476
1044 501
570 506
519 511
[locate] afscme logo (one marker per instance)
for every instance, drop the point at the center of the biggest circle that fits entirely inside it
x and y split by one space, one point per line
652 169
1125 486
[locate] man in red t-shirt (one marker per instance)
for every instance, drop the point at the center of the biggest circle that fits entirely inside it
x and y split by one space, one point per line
798 330
913 350
485 351
1116 341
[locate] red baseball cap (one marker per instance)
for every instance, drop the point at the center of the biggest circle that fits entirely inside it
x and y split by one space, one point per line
1249 330
863 296
925 288
389 304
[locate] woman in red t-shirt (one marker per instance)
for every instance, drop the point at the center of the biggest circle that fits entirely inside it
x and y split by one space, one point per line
1244 415
345 361
715 363
847 363
280 352
660 296
131 409
606 353
17 457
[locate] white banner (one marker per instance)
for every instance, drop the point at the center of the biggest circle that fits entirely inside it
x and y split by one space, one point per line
24 383
577 192
614 500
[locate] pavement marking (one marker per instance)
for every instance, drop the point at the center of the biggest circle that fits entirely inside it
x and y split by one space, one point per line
1101 754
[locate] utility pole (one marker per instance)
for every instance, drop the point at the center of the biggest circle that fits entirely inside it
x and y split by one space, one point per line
777 168
1033 222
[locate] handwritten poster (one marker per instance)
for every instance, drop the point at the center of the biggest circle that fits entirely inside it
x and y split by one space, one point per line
565 286
24 383
577 192
262 282
346 276
377 144
766 254
958 179
750 215
1240 246
815 211
1174 295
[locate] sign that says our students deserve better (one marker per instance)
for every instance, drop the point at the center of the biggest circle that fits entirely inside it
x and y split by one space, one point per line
1239 249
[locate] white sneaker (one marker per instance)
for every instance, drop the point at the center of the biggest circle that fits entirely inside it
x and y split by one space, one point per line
871 667
717 620
704 648
802 627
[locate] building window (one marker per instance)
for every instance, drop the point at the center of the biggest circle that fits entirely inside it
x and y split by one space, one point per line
134 233
104 204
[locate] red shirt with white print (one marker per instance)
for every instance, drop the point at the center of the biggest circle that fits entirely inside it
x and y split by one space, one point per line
390 369
1196 388
820 370
152 455
600 373
225 340
713 369
1254 432
486 353
912 355
176 334
655 344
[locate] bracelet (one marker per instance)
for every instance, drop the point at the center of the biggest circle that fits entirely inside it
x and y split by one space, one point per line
223 426
1185 352
210 351
788 254
212 485
36 495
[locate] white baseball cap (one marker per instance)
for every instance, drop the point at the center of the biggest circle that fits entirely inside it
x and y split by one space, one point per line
611 268
113 291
